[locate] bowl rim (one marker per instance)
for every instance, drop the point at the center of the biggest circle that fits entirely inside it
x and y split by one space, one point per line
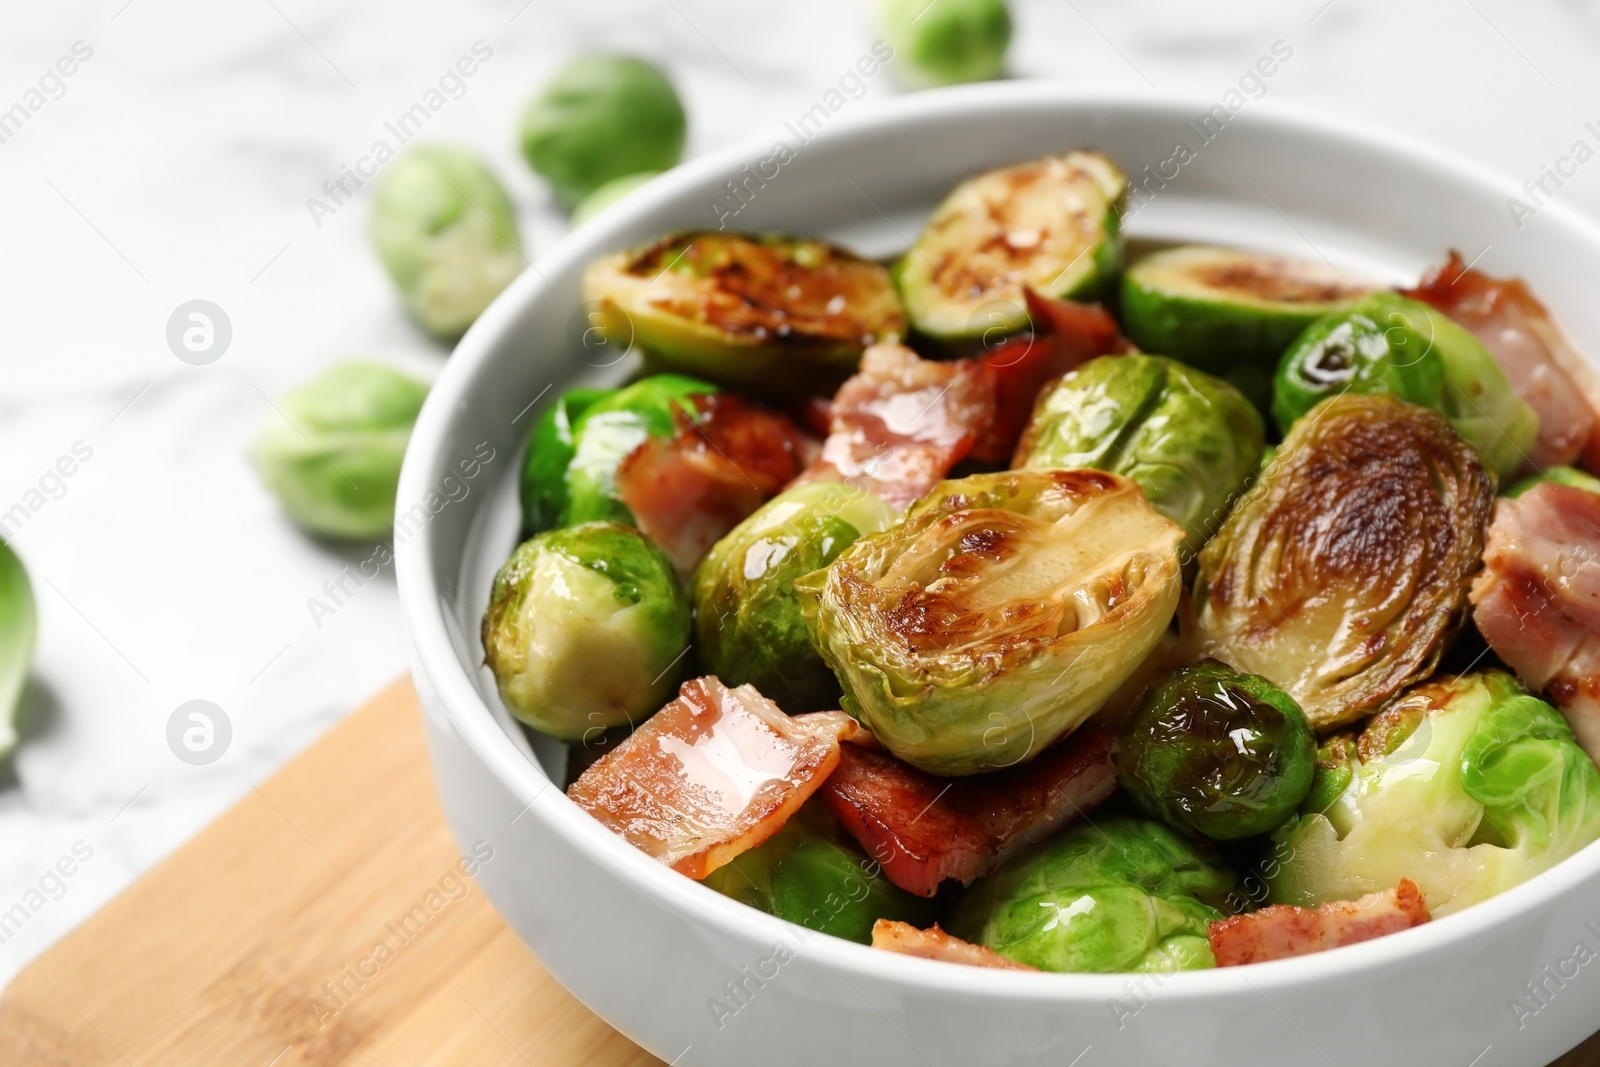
421 598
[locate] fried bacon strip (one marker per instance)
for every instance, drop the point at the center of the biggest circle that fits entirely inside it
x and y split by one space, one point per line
935 944
1537 599
902 422
1282 931
713 774
1065 336
924 829
1544 370
686 490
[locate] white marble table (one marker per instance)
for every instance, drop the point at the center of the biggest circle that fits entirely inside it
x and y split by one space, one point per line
175 163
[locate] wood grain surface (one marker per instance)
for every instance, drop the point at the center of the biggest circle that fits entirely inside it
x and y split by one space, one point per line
248 946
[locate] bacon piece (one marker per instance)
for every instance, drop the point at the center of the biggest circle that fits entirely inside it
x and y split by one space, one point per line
902 422
1282 931
935 944
1543 368
1537 600
713 774
1065 335
687 489
924 829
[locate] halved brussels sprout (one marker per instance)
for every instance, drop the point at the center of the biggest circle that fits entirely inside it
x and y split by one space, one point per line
997 615
1189 440
1570 476
584 629
1343 573
748 624
1120 895
762 313
1467 786
1051 225
1223 754
550 451
1389 344
603 436
18 622
1216 308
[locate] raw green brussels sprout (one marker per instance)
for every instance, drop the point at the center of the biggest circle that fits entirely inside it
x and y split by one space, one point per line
950 41
1120 895
1190 441
333 457
748 624
550 452
1467 786
1000 613
602 117
447 234
584 487
765 313
18 623
1051 225
1223 754
1342 575
1387 343
1227 311
809 873
584 629
608 194
1570 476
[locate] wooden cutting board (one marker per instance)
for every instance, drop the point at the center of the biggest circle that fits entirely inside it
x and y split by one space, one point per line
246 946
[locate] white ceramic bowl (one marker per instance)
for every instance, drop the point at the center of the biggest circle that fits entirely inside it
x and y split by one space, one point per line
698 979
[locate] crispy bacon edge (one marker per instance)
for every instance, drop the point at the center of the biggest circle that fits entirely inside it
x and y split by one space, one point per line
888 935
1283 931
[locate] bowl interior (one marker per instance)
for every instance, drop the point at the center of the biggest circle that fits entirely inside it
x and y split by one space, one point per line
1274 180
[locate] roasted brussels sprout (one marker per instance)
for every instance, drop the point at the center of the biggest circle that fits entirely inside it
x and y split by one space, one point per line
765 314
1223 754
1000 613
447 234
811 874
1227 311
602 436
748 624
1467 786
602 117
1389 344
1189 440
951 41
1570 476
1051 225
1120 895
550 451
18 622
331 451
584 629
608 194
1342 575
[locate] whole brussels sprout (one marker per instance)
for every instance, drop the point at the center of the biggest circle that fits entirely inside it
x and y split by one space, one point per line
1223 754
543 489
1467 786
333 458
602 117
447 234
1000 613
1120 895
18 624
1570 476
602 436
608 194
748 623
1342 575
584 627
949 41
1387 343
1190 441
